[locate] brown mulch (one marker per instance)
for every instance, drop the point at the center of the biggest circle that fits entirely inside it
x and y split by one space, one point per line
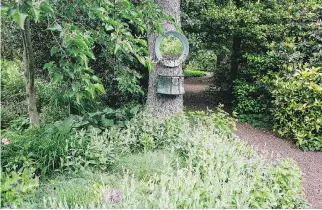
265 142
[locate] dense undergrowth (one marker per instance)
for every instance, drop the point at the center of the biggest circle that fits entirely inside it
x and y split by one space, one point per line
148 163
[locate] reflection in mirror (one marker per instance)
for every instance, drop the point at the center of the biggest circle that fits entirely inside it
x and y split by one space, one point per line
171 48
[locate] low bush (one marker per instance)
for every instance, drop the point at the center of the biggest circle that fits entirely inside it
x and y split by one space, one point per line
219 170
298 106
57 148
252 104
74 144
194 73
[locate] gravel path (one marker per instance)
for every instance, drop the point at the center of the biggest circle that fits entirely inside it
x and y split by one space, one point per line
263 141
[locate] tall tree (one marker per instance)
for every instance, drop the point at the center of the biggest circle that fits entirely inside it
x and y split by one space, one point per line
29 72
164 105
23 12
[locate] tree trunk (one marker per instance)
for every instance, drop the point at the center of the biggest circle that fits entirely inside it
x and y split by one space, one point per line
236 51
234 58
164 105
29 74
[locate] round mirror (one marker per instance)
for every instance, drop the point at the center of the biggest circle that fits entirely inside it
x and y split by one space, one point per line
171 49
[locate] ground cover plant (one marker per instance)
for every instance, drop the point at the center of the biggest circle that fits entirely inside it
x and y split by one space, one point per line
193 155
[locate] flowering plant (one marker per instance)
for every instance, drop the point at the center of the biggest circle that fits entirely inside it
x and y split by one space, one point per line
14 185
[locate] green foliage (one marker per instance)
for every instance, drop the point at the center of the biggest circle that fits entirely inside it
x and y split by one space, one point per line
191 160
16 185
19 11
52 102
12 92
144 165
43 146
251 104
84 84
204 60
279 188
70 145
298 106
106 118
194 73
218 171
113 32
299 46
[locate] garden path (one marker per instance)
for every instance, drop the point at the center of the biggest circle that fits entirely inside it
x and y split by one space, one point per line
263 141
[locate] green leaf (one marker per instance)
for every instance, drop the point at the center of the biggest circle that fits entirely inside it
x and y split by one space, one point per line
81 43
46 8
57 77
117 47
20 19
3 9
107 122
54 50
49 65
109 28
84 60
128 46
143 42
90 54
79 96
99 87
36 12
149 64
55 27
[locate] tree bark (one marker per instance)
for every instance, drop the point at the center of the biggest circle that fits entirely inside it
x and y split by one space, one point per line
234 57
29 74
164 105
236 51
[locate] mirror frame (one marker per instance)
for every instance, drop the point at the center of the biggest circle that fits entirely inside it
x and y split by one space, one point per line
181 59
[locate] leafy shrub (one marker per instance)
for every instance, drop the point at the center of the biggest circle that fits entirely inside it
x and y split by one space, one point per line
50 98
194 73
220 171
205 60
70 145
296 42
100 120
57 147
298 106
43 145
252 104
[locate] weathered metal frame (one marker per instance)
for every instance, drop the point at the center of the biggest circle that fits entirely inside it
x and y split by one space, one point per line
171 88
183 57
